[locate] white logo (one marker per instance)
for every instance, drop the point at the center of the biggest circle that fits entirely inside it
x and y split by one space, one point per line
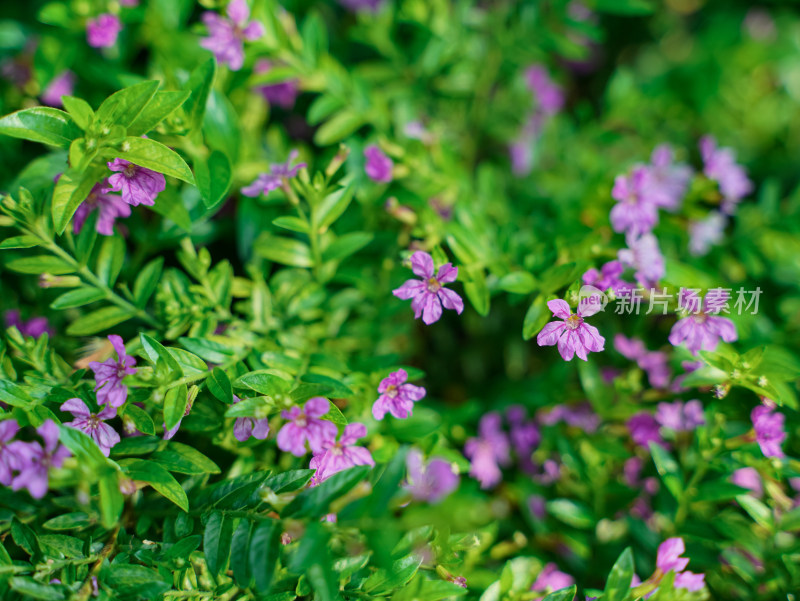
592 298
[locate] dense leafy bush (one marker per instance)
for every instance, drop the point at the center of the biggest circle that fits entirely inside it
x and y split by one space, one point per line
408 299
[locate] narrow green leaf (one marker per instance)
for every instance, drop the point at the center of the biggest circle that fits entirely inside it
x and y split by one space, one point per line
160 479
175 402
217 538
41 124
618 585
263 553
240 553
123 107
668 469
147 281
214 177
141 419
80 111
199 87
286 251
220 386
78 298
40 264
97 321
158 109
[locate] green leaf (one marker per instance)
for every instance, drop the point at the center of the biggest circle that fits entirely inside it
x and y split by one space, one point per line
135 581
558 276
158 109
78 298
82 447
14 395
160 479
565 594
209 350
71 190
220 386
214 178
40 264
217 541
191 364
97 321
517 282
719 490
347 245
31 589
25 538
289 222
110 258
111 499
385 581
314 502
618 585
76 520
263 553
757 510
240 553
20 242
184 459
286 251
41 124
170 205
199 87
123 107
141 419
147 281
175 402
668 469
477 291
339 127
152 155
571 512
625 7
155 351
263 383
332 206
537 316
80 111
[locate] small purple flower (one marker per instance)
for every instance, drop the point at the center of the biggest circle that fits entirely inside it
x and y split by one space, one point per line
669 559
537 505
609 277
670 180
109 206
277 176
305 425
632 470
137 184
551 579
635 212
396 396
548 94
644 430
720 165
34 327
245 427
749 478
282 93
102 31
8 459
226 36
109 374
700 330
580 416
770 432
524 434
378 166
644 255
92 424
429 293
488 451
336 456
572 335
33 461
655 363
429 482
690 581
521 154
706 233
680 417
362 5
62 84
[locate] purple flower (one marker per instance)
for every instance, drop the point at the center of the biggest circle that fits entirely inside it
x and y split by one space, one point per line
524 434
670 180
92 424
644 255
432 482
655 363
609 276
8 459
748 477
549 95
769 427
551 579
680 417
343 454
635 212
34 461
137 184
226 36
706 233
669 559
580 416
488 450
632 470
378 166
62 84
35 326
109 206
644 430
278 174
362 5
720 165
700 330
573 335
282 93
521 154
396 397
429 293
305 425
102 31
109 374
245 427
